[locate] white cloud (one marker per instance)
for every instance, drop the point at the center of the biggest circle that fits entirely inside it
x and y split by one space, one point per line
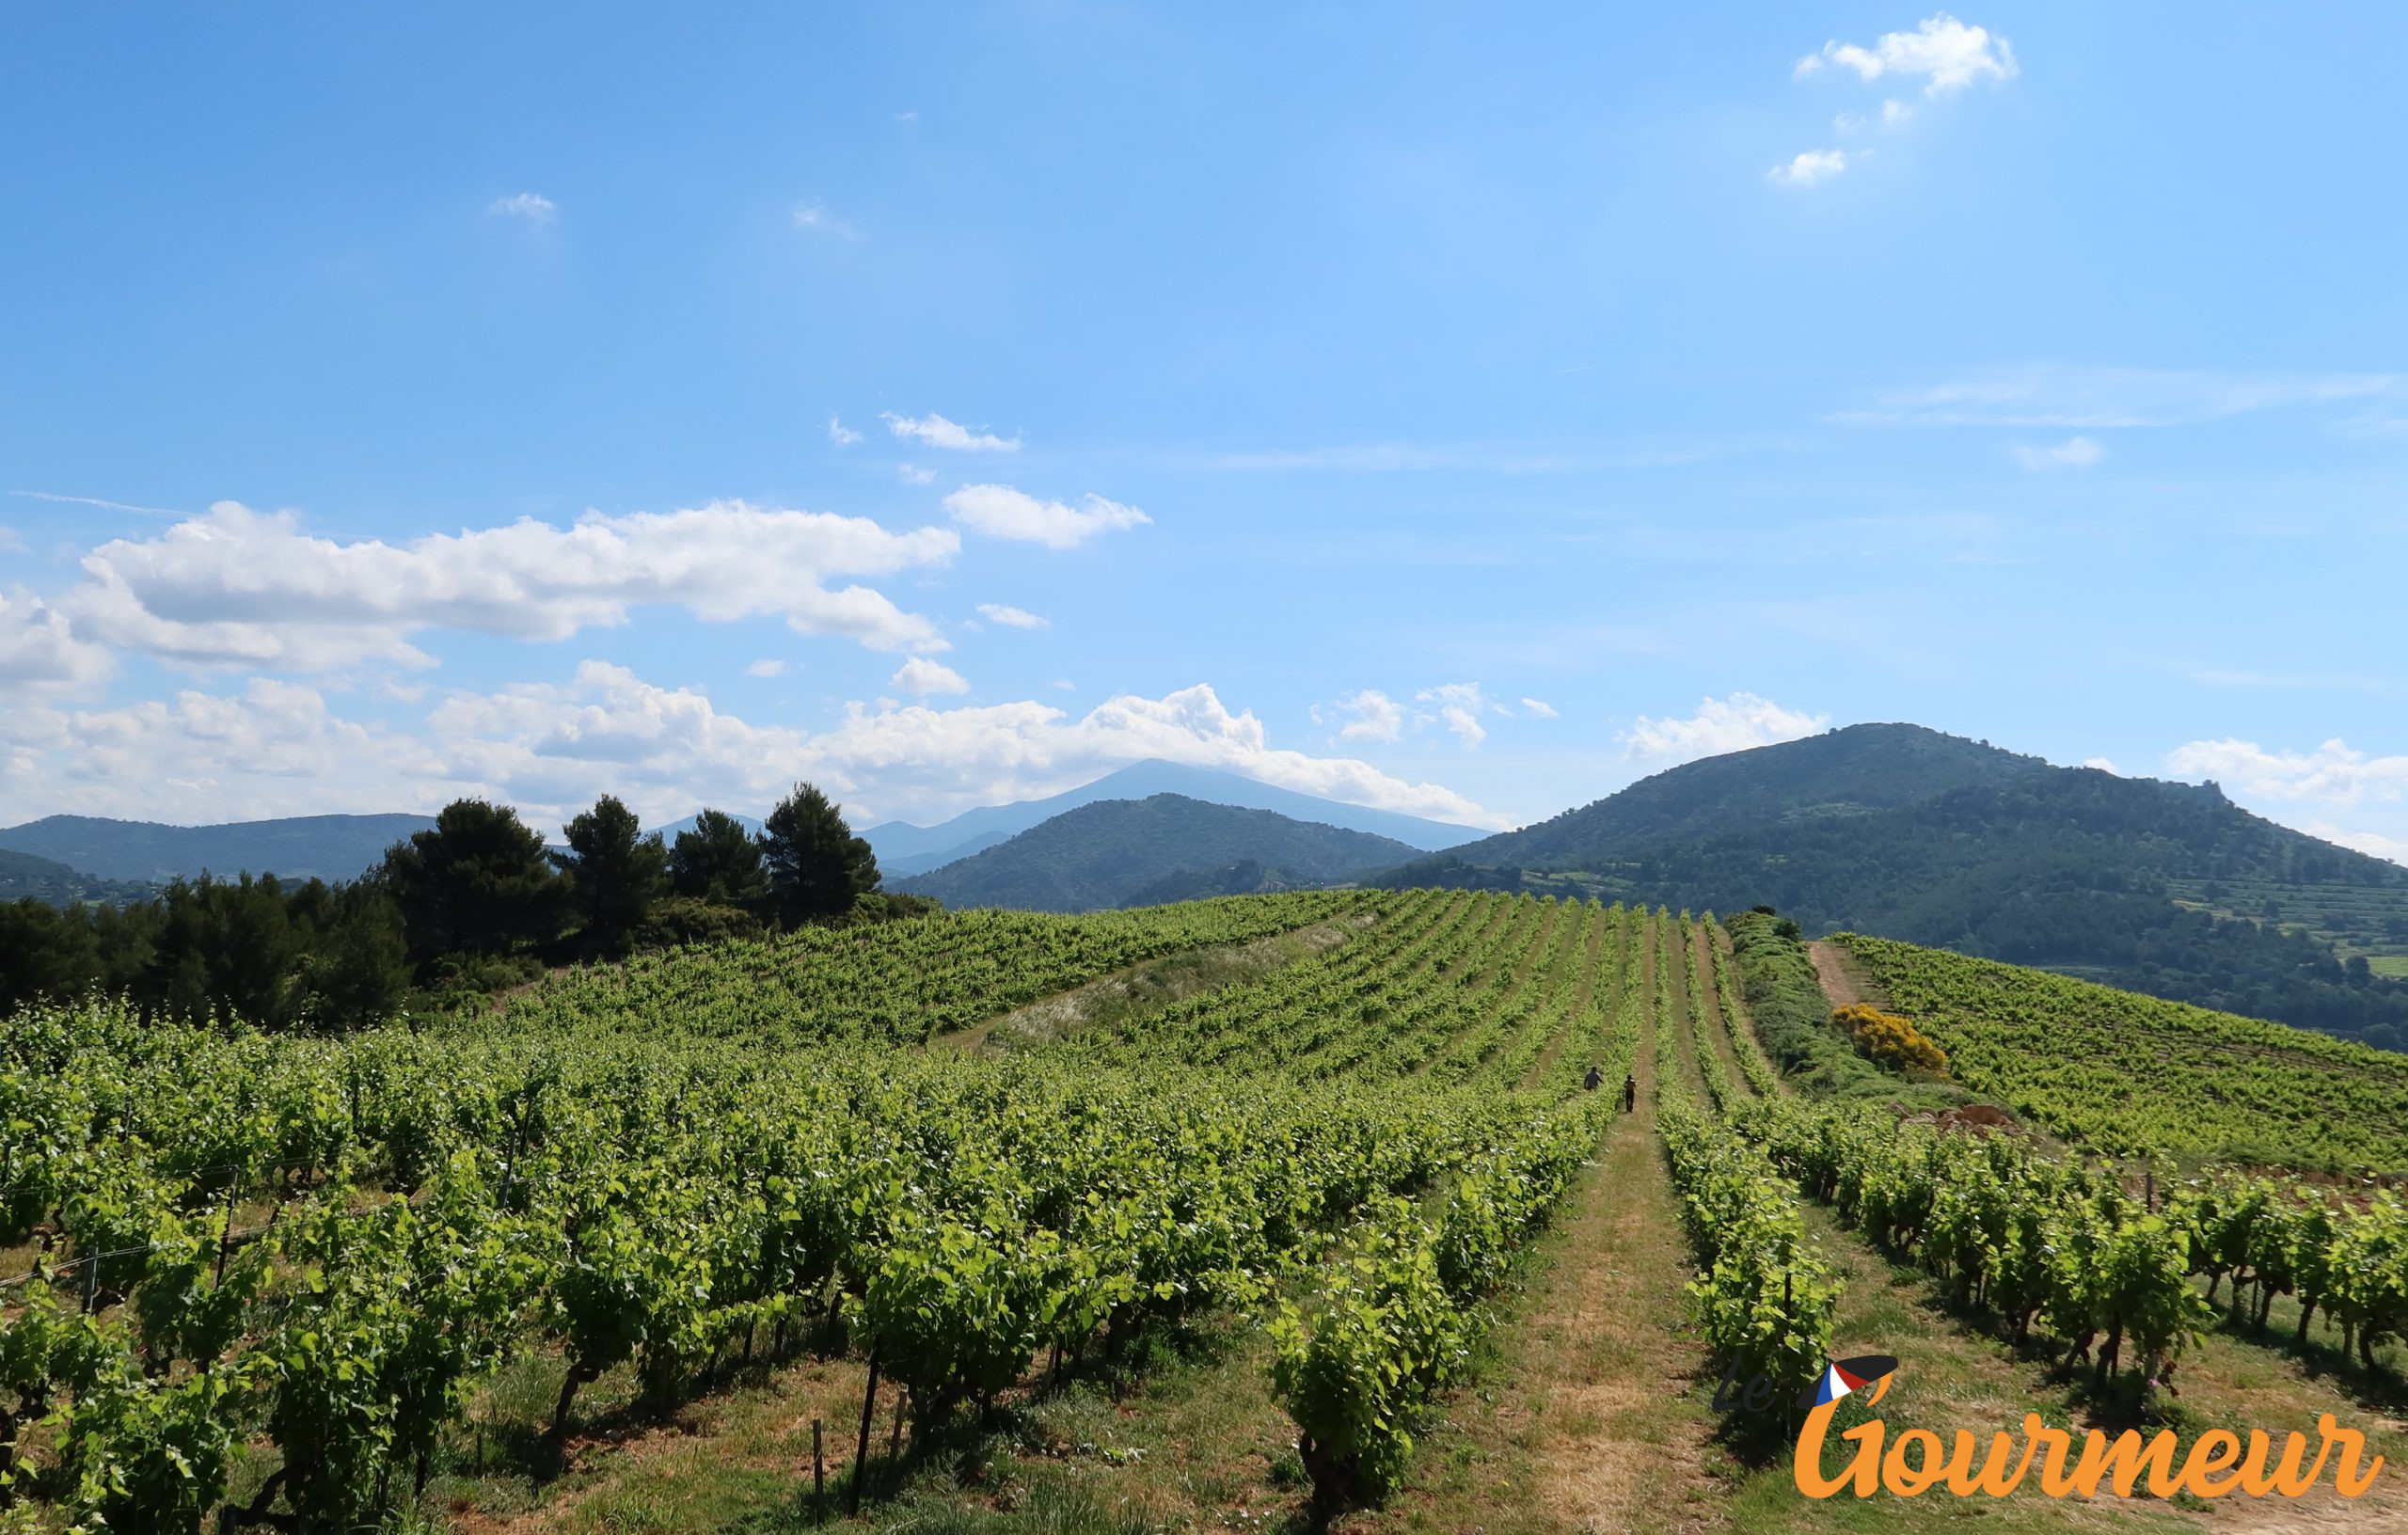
244 589
1538 710
841 435
1721 725
936 431
1943 52
1813 167
1459 706
912 474
2332 775
765 668
907 117
1894 113
1002 512
2104 765
1374 717
533 207
2373 844
1012 618
815 218
39 651
2074 453
275 749
919 676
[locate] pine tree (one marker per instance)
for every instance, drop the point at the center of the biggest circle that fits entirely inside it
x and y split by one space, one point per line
615 869
818 867
717 860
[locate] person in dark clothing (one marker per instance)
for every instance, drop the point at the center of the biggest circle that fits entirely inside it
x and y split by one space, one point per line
1629 1092
1594 1080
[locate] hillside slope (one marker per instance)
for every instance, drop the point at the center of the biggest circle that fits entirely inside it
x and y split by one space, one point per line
1906 834
27 876
296 847
905 849
1116 852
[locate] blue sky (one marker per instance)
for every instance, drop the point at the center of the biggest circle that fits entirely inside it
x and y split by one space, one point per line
1462 413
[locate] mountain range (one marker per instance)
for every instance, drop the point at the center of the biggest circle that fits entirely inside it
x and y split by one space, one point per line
296 847
1165 846
903 849
1904 832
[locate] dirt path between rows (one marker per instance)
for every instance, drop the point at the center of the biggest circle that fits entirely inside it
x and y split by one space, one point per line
1588 1423
1832 969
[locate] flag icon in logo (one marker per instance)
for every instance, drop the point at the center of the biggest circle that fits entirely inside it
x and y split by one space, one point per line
1846 1375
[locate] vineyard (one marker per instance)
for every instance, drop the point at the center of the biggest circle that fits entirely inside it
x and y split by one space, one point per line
287 1282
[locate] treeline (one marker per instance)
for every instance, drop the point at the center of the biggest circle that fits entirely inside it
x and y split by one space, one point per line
476 903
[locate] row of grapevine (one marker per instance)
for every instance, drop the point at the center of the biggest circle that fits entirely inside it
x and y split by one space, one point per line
2128 1074
643 1190
1764 1299
2077 1250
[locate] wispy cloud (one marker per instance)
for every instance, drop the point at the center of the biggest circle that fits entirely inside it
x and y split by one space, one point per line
2107 397
1458 707
2072 454
765 668
532 206
912 474
1538 710
815 218
841 435
936 431
1012 618
2332 774
1001 512
1944 53
94 501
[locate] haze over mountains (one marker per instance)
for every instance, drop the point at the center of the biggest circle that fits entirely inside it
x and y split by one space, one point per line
905 849
1163 847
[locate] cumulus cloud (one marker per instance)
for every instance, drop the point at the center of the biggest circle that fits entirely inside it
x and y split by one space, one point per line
1812 168
2104 765
1001 512
841 435
912 474
1721 725
275 748
2332 775
1369 716
1894 113
239 587
920 677
936 431
1943 52
531 206
1538 710
1457 706
765 668
2372 843
1012 618
2072 454
39 651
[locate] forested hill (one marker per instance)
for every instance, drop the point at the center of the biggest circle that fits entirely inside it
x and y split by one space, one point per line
1117 852
2168 889
24 877
296 847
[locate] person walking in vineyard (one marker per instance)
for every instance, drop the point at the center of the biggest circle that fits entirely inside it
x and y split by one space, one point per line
1594 1080
1629 1091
